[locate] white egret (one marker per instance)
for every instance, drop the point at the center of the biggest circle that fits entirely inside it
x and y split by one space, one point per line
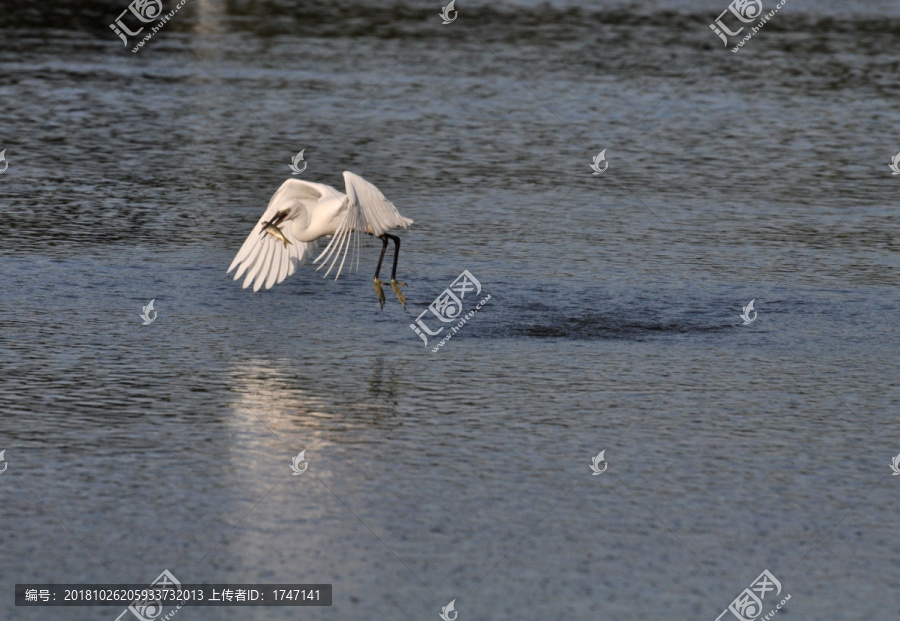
300 213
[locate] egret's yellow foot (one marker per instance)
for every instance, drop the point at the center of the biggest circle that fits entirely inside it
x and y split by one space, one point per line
395 285
379 292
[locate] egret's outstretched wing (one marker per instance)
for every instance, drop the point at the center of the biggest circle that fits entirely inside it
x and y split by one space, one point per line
266 259
365 210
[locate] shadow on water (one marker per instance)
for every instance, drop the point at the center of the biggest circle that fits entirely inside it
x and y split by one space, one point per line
586 314
590 326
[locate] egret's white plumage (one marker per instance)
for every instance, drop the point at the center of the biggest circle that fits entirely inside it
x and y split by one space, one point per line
305 212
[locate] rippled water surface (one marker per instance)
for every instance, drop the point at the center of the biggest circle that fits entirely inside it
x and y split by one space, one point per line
461 474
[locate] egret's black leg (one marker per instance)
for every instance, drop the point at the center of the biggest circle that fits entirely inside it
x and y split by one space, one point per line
395 284
378 290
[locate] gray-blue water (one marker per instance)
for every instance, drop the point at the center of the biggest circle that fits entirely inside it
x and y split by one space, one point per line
613 323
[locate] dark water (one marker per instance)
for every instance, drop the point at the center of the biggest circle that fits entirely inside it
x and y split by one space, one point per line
612 325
